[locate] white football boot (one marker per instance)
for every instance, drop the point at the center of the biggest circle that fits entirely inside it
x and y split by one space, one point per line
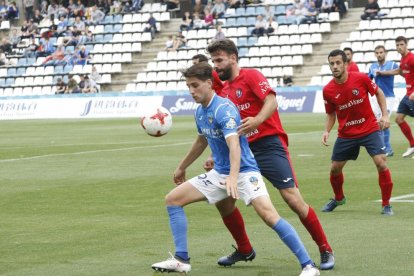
408 152
172 264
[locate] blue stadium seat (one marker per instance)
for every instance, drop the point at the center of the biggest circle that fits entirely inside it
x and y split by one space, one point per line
261 9
117 18
2 82
67 68
117 28
241 41
70 48
240 11
230 22
252 41
243 52
71 21
281 20
250 11
66 78
108 29
9 81
53 40
107 38
21 71
58 69
241 21
290 20
22 62
31 61
251 21
89 47
11 72
108 19
280 10
99 38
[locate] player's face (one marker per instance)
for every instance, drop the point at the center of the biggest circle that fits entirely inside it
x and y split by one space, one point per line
200 90
348 55
380 55
223 63
195 61
401 47
337 65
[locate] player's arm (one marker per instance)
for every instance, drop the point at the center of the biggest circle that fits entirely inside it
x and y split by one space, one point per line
384 121
249 124
199 145
330 122
235 155
393 72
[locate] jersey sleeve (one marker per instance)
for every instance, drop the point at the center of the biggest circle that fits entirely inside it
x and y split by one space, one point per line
196 115
217 83
228 118
370 85
371 72
394 65
258 83
329 107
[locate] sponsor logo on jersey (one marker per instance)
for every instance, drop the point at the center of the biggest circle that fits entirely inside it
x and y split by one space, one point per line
355 91
231 124
264 86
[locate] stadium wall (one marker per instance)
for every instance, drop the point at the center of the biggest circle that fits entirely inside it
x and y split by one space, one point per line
129 105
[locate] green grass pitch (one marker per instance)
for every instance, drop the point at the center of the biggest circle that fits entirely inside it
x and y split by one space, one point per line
86 197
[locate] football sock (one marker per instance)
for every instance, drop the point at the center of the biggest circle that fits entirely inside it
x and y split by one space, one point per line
337 182
385 183
406 130
314 227
234 222
387 134
291 238
178 224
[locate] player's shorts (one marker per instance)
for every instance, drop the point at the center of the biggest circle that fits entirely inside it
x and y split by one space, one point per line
348 148
376 108
272 157
212 185
406 107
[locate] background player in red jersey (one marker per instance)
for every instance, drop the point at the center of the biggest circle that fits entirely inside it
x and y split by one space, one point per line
352 66
256 101
406 106
347 98
217 83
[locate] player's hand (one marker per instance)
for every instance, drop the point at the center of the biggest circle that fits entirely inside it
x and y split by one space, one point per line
377 73
179 176
248 125
231 186
411 97
325 137
209 164
384 122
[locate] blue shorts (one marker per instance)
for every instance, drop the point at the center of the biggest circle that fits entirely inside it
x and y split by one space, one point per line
272 157
348 148
406 107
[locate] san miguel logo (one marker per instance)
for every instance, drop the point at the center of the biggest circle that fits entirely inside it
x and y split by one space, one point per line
355 91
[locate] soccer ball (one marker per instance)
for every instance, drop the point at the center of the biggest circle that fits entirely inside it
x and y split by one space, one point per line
158 122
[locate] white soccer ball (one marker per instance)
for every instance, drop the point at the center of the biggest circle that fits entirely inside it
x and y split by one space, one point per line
158 122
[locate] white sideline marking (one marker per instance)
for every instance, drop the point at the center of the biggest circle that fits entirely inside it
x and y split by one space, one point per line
401 198
305 155
91 151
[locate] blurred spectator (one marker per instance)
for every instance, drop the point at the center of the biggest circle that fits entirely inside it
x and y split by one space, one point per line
81 83
371 10
287 80
37 18
234 4
103 6
79 24
72 86
72 57
3 10
12 11
71 7
90 86
61 27
126 8
326 6
88 38
28 29
116 7
31 49
218 9
197 5
57 58
260 26
14 38
271 26
60 86
137 5
151 26
187 22
46 49
28 6
208 18
74 38
79 10
6 46
268 13
219 33
52 11
62 11
3 59
339 6
97 16
172 4
95 76
179 41
169 43
309 14
198 23
43 7
83 56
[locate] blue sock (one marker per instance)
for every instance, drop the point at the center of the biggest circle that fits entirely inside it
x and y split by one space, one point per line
291 238
387 134
178 224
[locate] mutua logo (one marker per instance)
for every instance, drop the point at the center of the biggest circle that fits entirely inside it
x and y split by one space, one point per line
183 104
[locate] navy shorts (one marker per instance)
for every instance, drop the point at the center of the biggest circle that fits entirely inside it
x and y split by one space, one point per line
272 157
406 107
348 148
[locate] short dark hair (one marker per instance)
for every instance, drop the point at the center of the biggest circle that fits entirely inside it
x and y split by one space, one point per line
202 71
380 47
348 49
200 57
338 52
401 38
225 45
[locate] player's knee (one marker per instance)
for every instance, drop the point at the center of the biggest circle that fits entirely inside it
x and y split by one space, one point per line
399 120
171 200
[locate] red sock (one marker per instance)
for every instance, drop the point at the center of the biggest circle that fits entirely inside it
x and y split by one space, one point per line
235 224
385 183
337 182
314 227
406 130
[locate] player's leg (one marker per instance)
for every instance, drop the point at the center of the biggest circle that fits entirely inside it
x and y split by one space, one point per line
375 148
286 233
387 132
403 110
234 222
